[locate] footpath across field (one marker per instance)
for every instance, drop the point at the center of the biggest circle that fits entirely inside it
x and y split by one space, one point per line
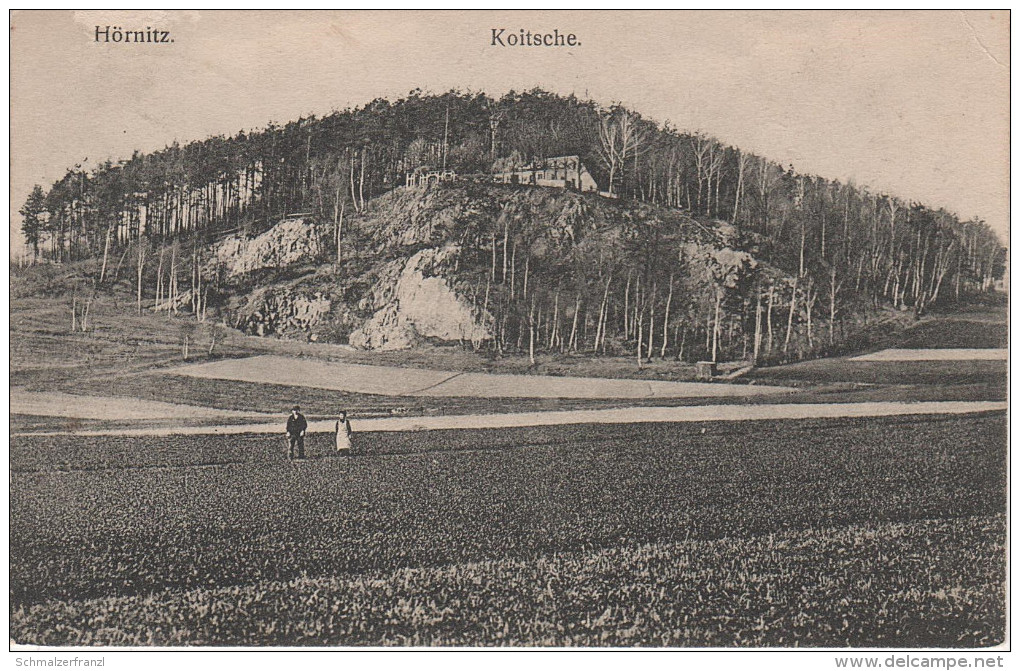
395 381
267 424
956 354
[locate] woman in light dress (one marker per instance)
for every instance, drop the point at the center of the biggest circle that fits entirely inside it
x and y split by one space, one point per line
343 434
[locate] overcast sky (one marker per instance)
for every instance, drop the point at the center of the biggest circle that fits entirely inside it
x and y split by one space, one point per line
914 104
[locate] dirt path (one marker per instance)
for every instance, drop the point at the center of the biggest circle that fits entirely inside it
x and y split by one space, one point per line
114 408
703 413
395 381
935 355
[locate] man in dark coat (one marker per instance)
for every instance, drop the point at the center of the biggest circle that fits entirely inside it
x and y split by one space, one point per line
296 427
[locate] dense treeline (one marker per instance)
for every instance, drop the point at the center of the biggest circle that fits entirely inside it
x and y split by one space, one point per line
827 249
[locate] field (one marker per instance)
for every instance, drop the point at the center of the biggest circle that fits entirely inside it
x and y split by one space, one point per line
984 327
946 382
397 381
825 532
927 373
964 330
45 352
135 357
879 532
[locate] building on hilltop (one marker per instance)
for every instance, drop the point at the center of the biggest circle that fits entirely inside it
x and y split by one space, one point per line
425 175
563 172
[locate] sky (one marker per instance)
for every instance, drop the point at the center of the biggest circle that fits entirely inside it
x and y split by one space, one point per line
914 103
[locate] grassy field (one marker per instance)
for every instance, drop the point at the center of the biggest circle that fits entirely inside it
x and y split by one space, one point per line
984 327
974 331
45 352
111 362
868 532
880 532
811 382
912 373
131 355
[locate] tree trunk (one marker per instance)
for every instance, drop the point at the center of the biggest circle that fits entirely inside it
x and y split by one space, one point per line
626 308
649 348
141 269
640 334
531 335
600 331
492 275
809 302
361 181
833 291
757 326
665 321
572 344
85 315
106 254
715 326
159 280
196 282
527 267
718 181
172 304
959 273
789 320
741 167
338 223
513 271
554 332
354 196
485 308
708 332
506 245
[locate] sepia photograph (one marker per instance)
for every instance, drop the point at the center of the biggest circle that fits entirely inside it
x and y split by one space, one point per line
433 330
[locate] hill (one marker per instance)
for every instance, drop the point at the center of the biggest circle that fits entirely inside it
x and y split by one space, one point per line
504 268
698 250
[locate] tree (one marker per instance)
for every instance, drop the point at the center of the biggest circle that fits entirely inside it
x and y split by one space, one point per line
619 135
832 250
34 218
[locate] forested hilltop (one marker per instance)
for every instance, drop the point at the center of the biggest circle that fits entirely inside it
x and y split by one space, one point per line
692 241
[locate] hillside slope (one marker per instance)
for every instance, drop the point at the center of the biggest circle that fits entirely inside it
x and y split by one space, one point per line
496 266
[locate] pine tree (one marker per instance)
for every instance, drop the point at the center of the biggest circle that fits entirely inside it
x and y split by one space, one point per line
33 219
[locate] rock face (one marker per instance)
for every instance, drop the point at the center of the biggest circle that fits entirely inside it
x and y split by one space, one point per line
442 264
289 242
286 313
413 302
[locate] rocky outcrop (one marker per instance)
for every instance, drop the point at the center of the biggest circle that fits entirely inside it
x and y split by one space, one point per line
286 313
413 301
292 241
429 264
